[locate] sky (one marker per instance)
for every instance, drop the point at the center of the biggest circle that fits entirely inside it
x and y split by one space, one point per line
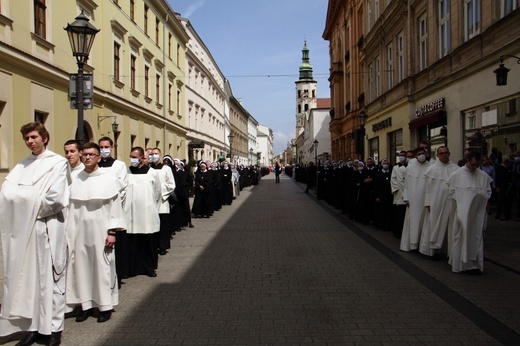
257 45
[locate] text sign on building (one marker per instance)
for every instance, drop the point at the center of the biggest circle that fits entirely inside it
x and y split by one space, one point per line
382 124
430 107
88 85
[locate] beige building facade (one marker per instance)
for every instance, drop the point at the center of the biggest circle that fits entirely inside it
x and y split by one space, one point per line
137 61
427 70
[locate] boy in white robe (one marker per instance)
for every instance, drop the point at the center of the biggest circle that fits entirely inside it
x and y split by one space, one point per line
470 190
72 150
34 244
95 214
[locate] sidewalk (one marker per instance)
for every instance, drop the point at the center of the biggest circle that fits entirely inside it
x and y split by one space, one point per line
278 267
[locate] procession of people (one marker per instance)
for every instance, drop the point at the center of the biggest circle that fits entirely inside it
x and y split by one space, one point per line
73 228
436 208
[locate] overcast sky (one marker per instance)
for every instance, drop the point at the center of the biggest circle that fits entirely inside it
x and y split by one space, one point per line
251 40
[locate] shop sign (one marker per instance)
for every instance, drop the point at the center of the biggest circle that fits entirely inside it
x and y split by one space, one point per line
382 124
430 107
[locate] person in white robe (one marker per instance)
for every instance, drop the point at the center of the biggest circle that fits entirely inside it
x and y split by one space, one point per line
95 214
72 150
397 187
34 243
165 174
118 169
470 190
413 195
437 203
142 215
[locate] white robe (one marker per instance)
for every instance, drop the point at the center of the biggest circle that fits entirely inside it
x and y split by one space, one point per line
414 191
142 200
119 170
167 182
470 192
397 184
76 170
95 207
437 219
32 225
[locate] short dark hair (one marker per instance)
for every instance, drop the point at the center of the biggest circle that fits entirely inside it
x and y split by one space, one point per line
106 139
91 145
74 142
474 154
139 149
36 126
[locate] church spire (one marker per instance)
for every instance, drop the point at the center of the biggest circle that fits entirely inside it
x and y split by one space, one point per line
305 67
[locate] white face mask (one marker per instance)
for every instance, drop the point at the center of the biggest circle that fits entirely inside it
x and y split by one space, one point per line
349 163
105 152
421 158
134 162
360 168
402 159
225 166
385 166
154 158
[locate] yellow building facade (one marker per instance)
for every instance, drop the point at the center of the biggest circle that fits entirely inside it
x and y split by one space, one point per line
137 61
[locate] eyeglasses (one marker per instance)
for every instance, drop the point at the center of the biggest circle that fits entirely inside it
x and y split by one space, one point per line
89 155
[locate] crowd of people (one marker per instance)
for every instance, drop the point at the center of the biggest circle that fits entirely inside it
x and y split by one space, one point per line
73 228
436 207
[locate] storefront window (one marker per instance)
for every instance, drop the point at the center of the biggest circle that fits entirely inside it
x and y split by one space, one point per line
493 126
374 148
396 145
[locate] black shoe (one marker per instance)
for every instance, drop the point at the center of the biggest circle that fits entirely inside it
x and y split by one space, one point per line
54 339
191 225
163 252
29 339
152 274
104 316
83 316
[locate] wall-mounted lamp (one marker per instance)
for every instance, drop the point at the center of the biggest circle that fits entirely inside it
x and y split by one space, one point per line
501 71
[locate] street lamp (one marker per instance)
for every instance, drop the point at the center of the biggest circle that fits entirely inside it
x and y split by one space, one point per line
81 36
316 151
360 134
251 152
501 71
230 137
116 132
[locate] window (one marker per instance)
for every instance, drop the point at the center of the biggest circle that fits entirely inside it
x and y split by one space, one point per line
116 60
39 18
40 116
370 82
374 148
169 45
157 88
376 10
369 15
390 65
157 23
423 43
178 52
508 6
471 18
400 57
132 10
146 19
444 27
395 139
178 103
378 76
146 80
170 87
133 60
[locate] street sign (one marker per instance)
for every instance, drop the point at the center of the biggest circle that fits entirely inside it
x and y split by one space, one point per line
88 103
88 85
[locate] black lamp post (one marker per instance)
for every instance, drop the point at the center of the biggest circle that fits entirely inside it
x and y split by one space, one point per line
360 138
230 137
316 151
501 71
81 36
115 130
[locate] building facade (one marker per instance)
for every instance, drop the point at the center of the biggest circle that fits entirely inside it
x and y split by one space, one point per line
422 71
137 62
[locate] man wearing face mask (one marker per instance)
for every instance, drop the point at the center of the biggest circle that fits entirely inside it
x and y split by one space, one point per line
142 215
397 186
470 190
165 174
437 203
118 169
413 195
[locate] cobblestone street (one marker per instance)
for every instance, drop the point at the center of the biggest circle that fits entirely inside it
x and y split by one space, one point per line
278 267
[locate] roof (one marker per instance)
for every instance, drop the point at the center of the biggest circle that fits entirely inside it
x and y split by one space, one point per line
323 103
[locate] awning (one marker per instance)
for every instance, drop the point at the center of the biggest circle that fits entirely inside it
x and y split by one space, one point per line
433 117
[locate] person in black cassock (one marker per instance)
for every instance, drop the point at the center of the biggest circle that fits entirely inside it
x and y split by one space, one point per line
202 201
